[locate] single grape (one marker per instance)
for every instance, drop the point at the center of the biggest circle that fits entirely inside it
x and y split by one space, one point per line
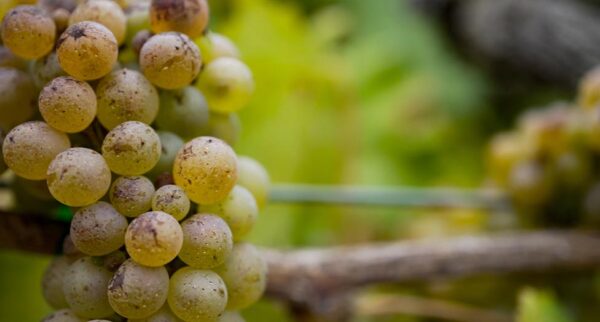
186 16
28 31
239 210
114 260
29 148
52 282
254 177
197 295
61 19
132 148
105 12
206 169
87 50
78 177
136 291
126 95
170 60
230 316
138 41
154 238
226 127
64 315
17 97
183 112
85 285
98 229
10 60
164 315
227 84
46 69
172 200
132 196
214 45
67 104
207 241
245 274
170 145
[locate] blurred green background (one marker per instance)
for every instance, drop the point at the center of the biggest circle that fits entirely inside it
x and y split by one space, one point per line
357 93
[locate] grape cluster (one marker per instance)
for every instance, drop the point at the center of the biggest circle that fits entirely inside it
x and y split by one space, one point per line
124 111
550 164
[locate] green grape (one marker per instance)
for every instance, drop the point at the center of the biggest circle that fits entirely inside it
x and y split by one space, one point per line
245 274
10 60
154 238
172 200
136 291
207 241
254 177
126 95
98 229
46 69
239 210
186 16
206 169
183 112
227 85
17 97
170 60
28 31
137 19
197 295
226 127
230 316
68 105
589 89
64 315
78 177
87 50
85 285
105 12
132 196
29 148
52 282
170 145
164 315
530 183
214 45
132 148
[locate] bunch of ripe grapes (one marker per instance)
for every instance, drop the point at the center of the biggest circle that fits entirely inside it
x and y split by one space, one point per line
124 111
550 164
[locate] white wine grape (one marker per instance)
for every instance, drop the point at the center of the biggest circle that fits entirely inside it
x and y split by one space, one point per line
132 148
207 241
132 196
98 229
154 238
197 295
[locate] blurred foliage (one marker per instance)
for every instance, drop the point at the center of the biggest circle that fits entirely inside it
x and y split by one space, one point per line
540 305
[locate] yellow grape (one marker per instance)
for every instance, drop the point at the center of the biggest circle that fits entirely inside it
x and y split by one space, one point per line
105 12
186 16
172 200
132 148
197 295
254 177
85 285
28 31
98 229
154 238
227 84
132 196
207 241
67 104
17 97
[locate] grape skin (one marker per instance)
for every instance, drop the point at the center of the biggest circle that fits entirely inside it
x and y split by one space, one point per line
126 95
85 286
137 291
183 112
132 148
78 177
52 282
16 89
30 147
227 84
132 196
254 177
154 238
186 16
98 229
206 169
164 315
197 295
226 127
104 12
214 45
67 104
170 145
64 315
207 241
28 32
172 200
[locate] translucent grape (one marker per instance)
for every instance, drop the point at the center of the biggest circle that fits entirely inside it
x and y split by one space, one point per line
186 16
17 97
105 12
98 229
29 148
214 45
132 148
68 105
170 60
206 169
126 95
132 196
207 241
52 282
46 69
64 315
10 60
154 238
226 127
170 145
136 291
230 316
183 112
164 315
28 31
172 200
85 286
87 50
227 84
78 177
245 274
239 210
197 295
254 177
